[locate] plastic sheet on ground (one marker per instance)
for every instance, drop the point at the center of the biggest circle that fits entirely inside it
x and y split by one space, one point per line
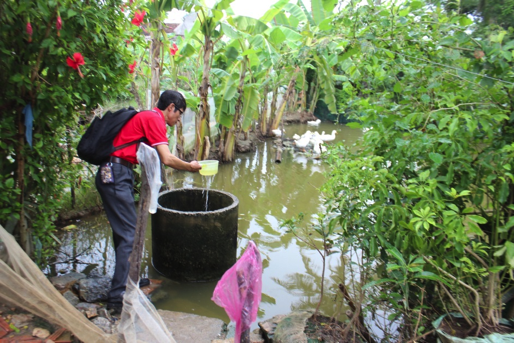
150 159
140 321
239 290
490 338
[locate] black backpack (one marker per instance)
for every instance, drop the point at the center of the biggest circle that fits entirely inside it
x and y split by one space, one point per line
96 145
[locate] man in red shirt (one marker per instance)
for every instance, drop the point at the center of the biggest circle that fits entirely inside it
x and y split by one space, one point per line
115 179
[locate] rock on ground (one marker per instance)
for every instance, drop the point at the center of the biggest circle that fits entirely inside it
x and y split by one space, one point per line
94 289
191 328
64 282
286 328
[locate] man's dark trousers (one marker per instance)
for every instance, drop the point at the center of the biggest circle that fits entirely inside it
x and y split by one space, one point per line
118 201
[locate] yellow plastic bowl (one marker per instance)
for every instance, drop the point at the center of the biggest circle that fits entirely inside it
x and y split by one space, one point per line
209 167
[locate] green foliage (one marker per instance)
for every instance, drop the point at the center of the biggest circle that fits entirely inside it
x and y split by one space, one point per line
429 193
250 110
38 75
491 12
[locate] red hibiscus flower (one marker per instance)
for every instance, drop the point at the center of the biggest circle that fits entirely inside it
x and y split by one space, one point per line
131 67
29 31
138 17
76 62
173 49
58 25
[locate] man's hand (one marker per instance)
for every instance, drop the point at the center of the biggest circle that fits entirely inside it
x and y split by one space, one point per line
194 166
174 162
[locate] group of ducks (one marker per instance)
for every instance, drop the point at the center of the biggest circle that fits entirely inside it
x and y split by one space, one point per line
314 138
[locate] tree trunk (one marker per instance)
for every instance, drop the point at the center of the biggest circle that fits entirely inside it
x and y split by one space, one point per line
228 154
23 229
141 223
263 122
272 112
155 67
70 161
202 117
312 96
180 140
233 132
303 94
314 100
285 98
135 92
292 102
491 299
222 143
206 148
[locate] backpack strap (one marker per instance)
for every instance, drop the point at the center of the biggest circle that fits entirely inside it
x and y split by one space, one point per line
119 147
143 139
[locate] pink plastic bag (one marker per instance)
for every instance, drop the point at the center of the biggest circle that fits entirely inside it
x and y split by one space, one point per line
239 290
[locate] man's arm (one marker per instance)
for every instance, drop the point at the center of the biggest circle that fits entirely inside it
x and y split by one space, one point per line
174 162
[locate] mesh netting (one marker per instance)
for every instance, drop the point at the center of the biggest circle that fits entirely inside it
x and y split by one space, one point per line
22 284
140 321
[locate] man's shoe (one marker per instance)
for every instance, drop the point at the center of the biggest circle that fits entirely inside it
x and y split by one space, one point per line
115 306
144 282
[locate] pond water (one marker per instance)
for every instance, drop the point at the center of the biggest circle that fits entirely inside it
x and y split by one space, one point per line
268 194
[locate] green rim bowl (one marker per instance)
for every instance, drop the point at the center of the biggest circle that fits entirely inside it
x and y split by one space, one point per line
209 167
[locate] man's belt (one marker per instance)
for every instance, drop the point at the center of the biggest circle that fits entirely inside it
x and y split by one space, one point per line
121 161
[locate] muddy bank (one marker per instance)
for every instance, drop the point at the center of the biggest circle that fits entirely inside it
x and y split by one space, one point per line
66 217
298 117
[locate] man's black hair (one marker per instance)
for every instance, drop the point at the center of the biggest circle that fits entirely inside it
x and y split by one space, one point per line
171 97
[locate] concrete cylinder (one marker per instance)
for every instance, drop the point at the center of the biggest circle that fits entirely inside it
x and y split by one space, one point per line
191 243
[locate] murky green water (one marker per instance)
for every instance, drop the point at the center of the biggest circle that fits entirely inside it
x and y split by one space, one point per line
268 193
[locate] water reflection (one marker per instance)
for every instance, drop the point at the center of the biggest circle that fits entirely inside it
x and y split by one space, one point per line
268 193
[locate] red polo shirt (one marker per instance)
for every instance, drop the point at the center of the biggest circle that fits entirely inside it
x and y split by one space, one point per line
148 124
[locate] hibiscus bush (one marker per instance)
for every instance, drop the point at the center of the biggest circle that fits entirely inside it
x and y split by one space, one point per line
59 61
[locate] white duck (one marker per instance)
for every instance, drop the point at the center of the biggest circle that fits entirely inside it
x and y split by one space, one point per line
296 137
278 132
318 146
303 141
315 137
327 138
314 122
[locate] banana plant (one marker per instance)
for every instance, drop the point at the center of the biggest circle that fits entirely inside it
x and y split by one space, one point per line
285 98
293 34
209 33
236 102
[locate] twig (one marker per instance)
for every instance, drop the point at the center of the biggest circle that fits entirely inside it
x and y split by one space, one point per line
422 336
357 314
71 261
311 243
420 311
456 305
451 276
458 48
48 83
477 297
